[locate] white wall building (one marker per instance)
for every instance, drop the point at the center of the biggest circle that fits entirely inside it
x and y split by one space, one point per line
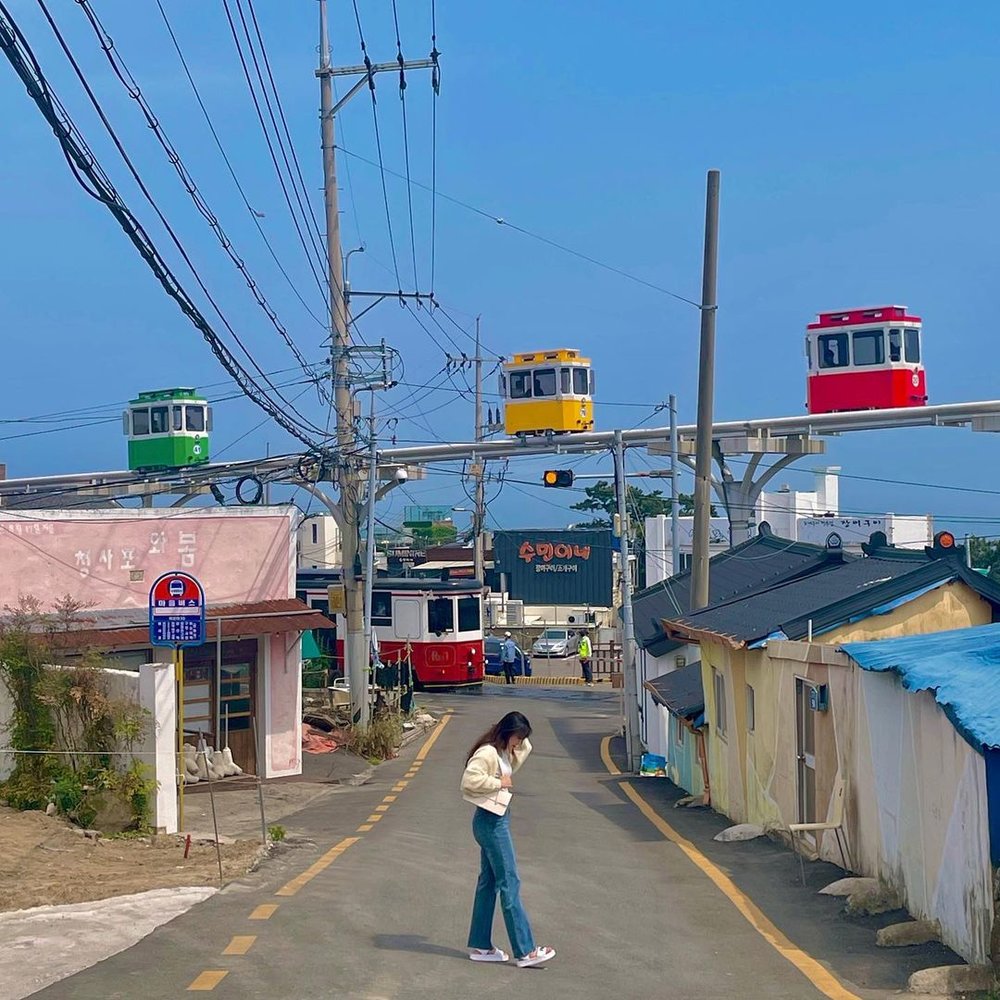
319 542
803 516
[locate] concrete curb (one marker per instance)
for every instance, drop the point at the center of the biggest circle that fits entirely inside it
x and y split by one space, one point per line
946 980
541 681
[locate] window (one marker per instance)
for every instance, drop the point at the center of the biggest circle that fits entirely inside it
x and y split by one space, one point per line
140 421
869 347
913 346
592 382
381 607
178 418
565 381
195 418
686 561
719 689
315 533
520 385
580 381
895 345
833 350
678 730
441 615
809 353
751 710
545 382
468 614
407 620
158 420
503 386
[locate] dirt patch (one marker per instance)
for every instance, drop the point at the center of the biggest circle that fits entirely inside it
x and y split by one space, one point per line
45 862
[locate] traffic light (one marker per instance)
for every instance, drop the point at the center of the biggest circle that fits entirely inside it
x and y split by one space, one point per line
557 477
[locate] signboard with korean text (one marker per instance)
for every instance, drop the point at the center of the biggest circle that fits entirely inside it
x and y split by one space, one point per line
545 567
177 611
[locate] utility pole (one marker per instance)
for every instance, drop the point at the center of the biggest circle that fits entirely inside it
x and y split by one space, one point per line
347 474
370 535
355 655
706 391
628 629
478 469
675 499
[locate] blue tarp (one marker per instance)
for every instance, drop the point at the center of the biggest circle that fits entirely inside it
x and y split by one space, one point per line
961 667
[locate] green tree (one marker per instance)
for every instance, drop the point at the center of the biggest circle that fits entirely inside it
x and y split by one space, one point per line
985 553
428 535
640 504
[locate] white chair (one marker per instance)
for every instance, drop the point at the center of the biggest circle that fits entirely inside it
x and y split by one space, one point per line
835 823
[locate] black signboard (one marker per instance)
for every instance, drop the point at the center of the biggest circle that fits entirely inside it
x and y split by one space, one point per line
546 567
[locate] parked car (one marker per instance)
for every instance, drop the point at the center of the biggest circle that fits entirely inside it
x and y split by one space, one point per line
494 666
556 642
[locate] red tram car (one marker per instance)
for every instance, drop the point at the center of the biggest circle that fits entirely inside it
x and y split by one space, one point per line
437 625
865 359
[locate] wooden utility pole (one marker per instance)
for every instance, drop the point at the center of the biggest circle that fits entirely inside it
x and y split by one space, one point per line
706 392
630 688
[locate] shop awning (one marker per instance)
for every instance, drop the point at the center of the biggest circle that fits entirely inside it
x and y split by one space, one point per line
124 627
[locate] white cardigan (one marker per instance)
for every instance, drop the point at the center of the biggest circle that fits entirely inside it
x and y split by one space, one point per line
482 774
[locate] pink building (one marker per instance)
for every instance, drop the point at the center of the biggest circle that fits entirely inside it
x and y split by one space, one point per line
247 678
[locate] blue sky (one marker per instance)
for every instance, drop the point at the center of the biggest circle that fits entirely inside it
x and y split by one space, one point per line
859 153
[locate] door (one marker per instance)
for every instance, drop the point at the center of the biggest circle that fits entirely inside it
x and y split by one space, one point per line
237 706
805 749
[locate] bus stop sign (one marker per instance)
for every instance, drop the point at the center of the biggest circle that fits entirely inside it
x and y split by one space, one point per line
176 611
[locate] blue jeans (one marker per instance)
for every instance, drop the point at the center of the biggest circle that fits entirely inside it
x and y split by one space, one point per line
498 872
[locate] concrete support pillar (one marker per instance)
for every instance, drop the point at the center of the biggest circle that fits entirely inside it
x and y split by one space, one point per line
158 695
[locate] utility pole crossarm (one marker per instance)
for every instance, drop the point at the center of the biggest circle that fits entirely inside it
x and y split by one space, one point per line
385 67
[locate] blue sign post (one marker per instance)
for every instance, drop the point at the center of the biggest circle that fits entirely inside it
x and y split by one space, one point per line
177 611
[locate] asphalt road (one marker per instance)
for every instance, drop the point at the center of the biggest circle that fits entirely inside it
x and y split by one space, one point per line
385 917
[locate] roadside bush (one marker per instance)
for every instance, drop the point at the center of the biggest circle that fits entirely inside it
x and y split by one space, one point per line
73 735
380 740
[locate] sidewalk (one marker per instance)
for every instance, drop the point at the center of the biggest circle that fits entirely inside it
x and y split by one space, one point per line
768 873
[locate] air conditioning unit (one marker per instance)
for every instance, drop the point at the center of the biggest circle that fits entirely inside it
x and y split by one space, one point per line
514 613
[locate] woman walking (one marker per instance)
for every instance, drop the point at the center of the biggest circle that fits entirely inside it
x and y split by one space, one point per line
486 782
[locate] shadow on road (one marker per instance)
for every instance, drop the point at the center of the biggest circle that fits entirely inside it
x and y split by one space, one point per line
416 943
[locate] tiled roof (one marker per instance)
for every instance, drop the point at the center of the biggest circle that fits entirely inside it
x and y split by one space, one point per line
680 691
836 594
763 561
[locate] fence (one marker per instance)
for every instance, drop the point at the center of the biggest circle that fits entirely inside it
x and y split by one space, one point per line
607 659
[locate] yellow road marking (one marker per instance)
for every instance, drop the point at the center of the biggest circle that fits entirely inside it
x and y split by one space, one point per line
374 818
410 774
365 827
240 944
208 980
399 786
820 977
382 808
426 748
264 911
389 798
292 887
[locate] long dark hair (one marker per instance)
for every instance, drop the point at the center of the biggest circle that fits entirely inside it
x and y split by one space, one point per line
512 724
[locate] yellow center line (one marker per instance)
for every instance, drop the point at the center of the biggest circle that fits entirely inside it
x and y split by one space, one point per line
240 944
400 785
374 818
389 798
426 748
208 980
820 977
292 887
365 827
264 911
382 808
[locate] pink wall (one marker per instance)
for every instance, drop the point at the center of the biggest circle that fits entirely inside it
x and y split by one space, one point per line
283 751
109 559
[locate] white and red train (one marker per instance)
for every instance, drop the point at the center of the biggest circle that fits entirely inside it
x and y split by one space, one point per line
437 625
865 359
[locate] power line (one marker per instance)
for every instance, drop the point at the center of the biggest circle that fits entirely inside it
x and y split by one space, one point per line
406 142
96 182
105 121
378 143
524 231
315 254
436 90
128 81
254 215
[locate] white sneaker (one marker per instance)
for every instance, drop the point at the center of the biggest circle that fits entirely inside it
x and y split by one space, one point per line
536 957
493 955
